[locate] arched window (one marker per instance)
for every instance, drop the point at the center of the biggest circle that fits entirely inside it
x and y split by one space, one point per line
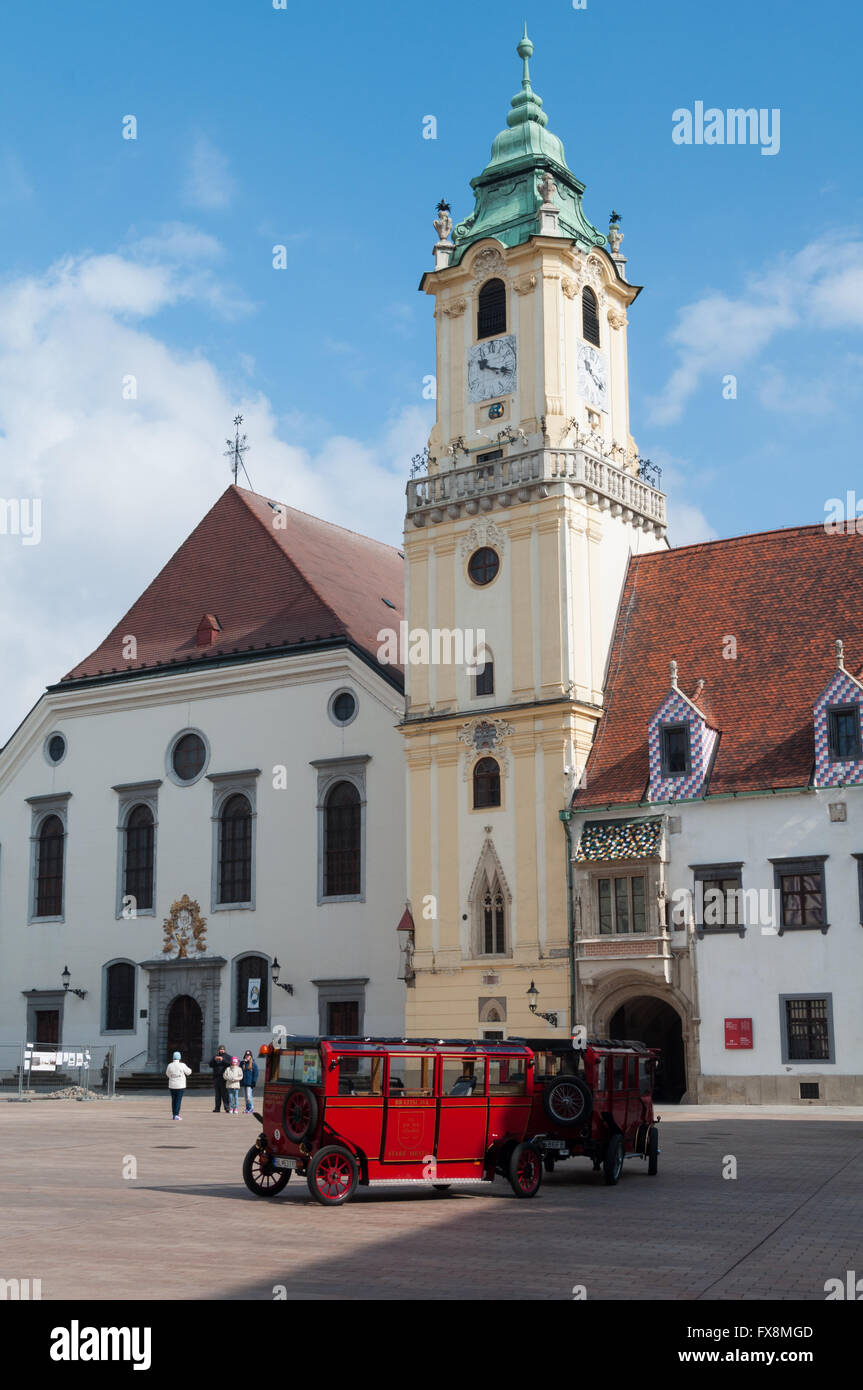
486 783
342 842
251 992
140 837
493 921
120 997
484 678
235 850
49 868
491 309
589 316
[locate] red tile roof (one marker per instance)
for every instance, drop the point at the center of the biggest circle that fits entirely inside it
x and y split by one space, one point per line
269 586
784 596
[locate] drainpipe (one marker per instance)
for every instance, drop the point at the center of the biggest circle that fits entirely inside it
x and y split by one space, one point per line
566 817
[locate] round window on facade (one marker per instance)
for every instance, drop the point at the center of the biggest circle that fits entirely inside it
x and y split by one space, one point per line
483 565
188 758
343 707
55 749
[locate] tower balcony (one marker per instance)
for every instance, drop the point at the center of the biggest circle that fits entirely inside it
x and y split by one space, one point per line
523 477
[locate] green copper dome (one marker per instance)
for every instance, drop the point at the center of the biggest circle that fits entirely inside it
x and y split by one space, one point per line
508 197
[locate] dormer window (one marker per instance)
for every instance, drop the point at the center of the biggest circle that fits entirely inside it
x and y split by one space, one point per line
491 309
843 733
675 750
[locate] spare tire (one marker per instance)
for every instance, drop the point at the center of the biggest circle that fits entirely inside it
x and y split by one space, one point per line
568 1101
300 1113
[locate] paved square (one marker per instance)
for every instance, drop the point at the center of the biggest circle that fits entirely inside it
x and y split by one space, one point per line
186 1227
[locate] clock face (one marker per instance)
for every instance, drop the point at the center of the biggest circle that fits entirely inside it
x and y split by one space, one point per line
492 369
593 376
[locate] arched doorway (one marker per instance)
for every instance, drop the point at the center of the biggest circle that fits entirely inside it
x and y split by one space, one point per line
655 1023
186 1030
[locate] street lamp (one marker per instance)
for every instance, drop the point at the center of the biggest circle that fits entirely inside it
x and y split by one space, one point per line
289 989
532 996
66 977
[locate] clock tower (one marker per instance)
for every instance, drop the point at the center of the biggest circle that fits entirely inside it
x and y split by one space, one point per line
517 541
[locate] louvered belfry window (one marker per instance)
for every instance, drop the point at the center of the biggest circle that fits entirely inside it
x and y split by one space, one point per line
343 842
491 310
49 868
235 859
589 316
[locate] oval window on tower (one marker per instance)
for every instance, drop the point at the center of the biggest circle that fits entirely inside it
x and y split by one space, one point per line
483 565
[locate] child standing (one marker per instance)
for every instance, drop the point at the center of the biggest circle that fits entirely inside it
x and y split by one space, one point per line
233 1077
250 1080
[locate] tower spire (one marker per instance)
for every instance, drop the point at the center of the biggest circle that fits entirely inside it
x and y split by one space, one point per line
526 105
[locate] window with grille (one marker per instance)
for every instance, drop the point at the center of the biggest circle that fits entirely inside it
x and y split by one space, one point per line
674 750
235 851
807 1027
843 733
49 868
140 837
802 899
252 991
189 757
486 784
589 316
622 905
491 309
342 842
120 997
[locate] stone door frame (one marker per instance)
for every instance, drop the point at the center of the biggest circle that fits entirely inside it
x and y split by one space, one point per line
198 976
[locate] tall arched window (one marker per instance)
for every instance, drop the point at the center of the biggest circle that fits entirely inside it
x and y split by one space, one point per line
493 920
484 678
589 316
139 856
49 868
486 784
251 992
491 309
235 850
120 997
342 842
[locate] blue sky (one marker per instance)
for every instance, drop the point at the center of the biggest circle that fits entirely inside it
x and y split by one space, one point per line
303 126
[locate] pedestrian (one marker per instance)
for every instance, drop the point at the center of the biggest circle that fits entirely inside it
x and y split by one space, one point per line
176 1072
219 1062
250 1080
233 1077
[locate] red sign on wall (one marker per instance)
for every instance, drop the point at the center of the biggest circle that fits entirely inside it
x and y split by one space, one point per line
738 1032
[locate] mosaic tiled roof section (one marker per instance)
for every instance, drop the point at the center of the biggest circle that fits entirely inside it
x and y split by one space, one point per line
842 690
620 839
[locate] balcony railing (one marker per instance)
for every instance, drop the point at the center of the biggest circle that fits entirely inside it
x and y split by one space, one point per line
520 476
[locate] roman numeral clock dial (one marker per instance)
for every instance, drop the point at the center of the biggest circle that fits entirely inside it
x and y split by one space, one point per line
492 369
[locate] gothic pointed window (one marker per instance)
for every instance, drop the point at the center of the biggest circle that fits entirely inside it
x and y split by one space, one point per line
486 784
492 919
589 316
342 842
139 857
491 309
49 868
235 851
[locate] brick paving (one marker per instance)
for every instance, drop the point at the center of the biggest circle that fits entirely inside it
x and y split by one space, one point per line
186 1227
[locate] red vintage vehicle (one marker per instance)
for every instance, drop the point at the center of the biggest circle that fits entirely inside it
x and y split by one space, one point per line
596 1102
341 1112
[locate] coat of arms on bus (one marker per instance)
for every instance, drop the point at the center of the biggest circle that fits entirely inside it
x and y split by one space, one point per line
184 926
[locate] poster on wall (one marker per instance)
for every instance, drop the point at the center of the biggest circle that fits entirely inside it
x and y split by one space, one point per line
738 1032
254 996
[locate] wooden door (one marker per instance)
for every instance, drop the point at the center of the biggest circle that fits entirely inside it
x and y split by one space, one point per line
186 1030
343 1019
48 1027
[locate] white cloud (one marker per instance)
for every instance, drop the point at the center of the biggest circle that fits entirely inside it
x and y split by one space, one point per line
209 184
820 287
123 482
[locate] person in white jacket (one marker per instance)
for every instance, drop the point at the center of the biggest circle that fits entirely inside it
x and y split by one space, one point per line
176 1072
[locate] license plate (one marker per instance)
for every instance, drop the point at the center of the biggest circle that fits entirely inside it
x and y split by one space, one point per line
284 1163
554 1143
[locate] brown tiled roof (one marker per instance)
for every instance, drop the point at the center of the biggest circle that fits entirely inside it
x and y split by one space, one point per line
784 596
268 586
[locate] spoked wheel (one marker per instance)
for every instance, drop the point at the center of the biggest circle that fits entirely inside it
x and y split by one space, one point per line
525 1170
612 1163
260 1176
300 1114
333 1176
653 1152
568 1101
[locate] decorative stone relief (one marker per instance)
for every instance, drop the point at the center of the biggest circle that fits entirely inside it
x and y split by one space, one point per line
480 534
484 734
455 308
616 319
525 285
488 263
571 288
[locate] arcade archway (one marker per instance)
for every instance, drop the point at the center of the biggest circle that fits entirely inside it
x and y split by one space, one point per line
644 1018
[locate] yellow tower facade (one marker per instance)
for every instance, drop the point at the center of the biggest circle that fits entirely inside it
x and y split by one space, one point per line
516 541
